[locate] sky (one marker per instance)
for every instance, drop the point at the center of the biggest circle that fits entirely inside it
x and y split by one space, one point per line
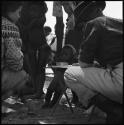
113 9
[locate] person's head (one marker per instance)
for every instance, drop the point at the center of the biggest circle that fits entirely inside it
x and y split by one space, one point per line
68 53
88 10
47 30
12 10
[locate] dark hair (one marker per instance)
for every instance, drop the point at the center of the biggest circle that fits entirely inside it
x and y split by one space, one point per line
47 29
10 6
69 46
73 56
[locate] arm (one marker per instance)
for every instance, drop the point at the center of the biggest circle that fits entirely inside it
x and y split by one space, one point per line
89 46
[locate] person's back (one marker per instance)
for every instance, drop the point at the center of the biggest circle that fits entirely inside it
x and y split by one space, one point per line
108 41
31 24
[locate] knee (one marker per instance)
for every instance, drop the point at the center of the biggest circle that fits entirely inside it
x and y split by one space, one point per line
66 79
69 79
66 76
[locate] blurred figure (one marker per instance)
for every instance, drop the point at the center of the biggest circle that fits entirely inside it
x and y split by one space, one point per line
51 39
68 55
35 47
59 27
13 75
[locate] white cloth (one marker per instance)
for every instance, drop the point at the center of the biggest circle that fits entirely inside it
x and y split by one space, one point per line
53 46
87 82
52 41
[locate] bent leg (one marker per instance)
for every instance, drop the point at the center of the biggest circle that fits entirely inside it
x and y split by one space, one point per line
86 82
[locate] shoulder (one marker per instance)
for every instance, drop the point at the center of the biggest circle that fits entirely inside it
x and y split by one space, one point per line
114 23
8 26
98 22
106 22
9 29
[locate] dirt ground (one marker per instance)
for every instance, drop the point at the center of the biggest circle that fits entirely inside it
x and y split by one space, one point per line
60 115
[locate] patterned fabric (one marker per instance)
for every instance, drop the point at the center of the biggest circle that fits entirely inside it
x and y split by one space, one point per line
12 57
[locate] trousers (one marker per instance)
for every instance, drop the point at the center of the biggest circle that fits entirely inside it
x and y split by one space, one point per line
87 82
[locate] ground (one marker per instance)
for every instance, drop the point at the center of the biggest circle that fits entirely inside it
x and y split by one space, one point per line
60 115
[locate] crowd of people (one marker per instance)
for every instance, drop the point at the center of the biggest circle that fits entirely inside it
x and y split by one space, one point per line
93 46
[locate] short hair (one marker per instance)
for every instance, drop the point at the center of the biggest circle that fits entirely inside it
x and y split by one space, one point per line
69 46
10 6
73 54
47 29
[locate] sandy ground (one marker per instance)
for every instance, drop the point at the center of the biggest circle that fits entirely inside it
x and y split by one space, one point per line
61 115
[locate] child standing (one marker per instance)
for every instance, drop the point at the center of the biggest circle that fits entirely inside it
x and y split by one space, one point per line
68 54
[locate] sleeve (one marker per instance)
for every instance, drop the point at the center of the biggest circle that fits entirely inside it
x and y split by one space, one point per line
13 52
90 42
13 55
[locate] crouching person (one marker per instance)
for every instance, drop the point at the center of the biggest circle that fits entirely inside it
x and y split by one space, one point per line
103 43
13 75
